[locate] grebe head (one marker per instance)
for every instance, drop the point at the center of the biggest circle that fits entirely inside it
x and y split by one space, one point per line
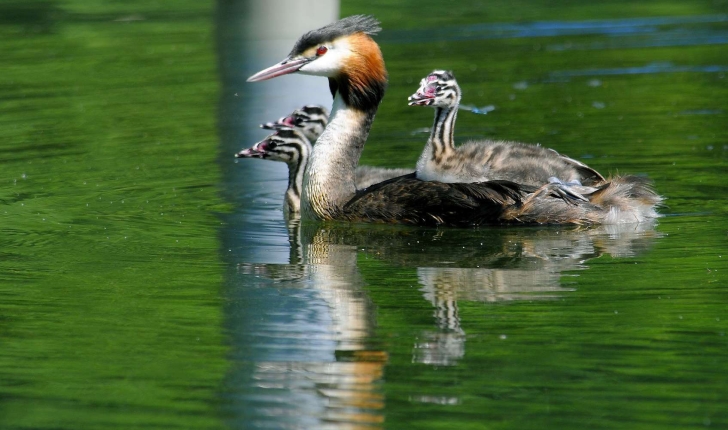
325 51
345 53
438 89
286 144
311 120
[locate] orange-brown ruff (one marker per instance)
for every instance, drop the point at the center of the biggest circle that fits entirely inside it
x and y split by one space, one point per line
365 70
345 53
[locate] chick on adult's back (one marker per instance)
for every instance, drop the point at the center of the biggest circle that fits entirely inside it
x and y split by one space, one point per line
484 160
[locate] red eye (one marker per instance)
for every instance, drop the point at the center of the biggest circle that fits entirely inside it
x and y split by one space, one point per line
321 51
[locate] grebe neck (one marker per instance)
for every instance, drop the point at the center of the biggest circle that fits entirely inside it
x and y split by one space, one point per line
295 181
329 177
441 142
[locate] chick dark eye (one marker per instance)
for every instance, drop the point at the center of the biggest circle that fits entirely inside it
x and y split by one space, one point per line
321 51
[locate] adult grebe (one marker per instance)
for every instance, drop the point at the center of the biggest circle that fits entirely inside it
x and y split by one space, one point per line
345 53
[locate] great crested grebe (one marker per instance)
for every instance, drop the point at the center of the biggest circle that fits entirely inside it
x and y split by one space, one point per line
345 53
290 145
485 160
311 120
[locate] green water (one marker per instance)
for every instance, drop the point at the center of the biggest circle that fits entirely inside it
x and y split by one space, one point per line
147 281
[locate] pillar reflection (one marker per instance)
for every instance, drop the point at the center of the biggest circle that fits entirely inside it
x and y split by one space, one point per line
300 358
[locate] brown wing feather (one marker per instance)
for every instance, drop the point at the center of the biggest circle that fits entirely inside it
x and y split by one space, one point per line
411 201
406 200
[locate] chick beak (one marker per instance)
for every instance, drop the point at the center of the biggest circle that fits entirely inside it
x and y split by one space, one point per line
424 96
419 99
283 123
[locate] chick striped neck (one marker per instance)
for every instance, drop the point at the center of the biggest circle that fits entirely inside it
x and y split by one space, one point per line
441 143
295 179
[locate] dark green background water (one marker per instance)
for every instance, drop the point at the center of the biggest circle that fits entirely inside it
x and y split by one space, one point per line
147 281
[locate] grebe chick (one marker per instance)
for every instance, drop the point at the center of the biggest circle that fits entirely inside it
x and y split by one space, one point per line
311 121
345 53
289 146
486 160
630 197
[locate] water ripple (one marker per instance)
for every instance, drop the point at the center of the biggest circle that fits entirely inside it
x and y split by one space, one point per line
651 68
679 37
609 27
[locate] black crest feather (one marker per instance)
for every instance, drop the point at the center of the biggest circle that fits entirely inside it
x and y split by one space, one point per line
350 25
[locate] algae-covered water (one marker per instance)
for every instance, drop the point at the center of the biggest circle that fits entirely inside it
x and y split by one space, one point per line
149 281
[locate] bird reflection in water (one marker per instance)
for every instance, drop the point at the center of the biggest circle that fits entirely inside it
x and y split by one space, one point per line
528 265
452 266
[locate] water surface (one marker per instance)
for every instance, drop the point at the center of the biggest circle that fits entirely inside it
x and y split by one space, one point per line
149 281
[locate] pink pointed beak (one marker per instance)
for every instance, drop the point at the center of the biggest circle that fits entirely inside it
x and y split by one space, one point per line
285 67
423 97
255 151
285 122
248 153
